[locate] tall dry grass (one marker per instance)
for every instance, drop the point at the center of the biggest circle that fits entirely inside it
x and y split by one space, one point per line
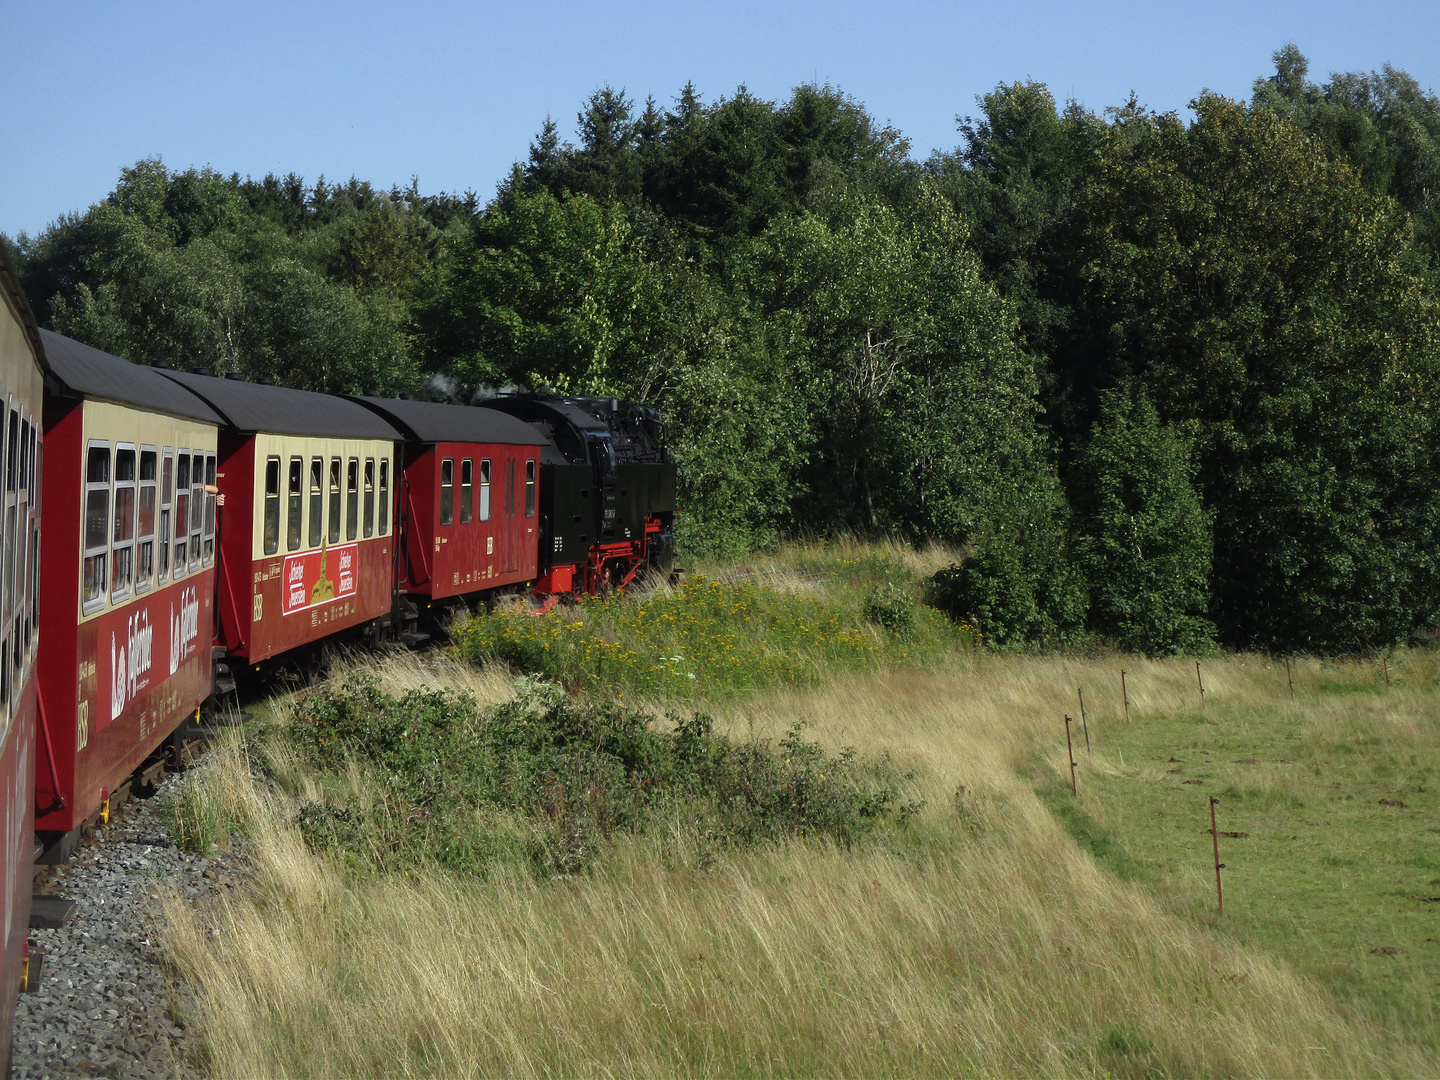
986 942
400 672
791 565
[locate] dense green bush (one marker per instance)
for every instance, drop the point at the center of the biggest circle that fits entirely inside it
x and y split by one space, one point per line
891 606
548 781
1016 592
1145 538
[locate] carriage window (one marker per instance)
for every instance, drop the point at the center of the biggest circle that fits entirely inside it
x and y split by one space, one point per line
352 499
22 541
485 489
122 553
167 486
4 538
210 496
11 450
15 583
369 496
7 593
317 501
467 490
5 683
384 495
294 505
272 505
36 452
447 491
34 616
334 532
182 511
37 458
197 507
145 553
530 488
97 519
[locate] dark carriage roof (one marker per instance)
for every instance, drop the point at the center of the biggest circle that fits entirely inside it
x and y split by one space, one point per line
247 406
430 421
534 407
88 372
10 285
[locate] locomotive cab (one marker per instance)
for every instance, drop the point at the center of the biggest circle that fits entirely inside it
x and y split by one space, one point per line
609 487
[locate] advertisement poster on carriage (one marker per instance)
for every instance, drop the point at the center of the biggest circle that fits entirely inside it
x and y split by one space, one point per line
314 577
137 652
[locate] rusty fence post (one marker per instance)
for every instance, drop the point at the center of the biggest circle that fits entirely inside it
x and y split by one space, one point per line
1201 681
1070 753
1289 679
1215 837
1124 693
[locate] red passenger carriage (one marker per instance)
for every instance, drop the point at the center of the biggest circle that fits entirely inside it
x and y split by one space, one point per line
127 608
468 499
21 390
306 529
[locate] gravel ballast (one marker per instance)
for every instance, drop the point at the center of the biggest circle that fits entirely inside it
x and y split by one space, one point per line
106 1006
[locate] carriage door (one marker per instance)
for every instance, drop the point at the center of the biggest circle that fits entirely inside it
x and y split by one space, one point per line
512 541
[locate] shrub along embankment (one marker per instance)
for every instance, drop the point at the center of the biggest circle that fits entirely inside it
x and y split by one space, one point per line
548 782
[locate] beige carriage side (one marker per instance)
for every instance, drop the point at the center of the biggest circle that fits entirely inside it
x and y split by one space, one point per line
19 371
375 482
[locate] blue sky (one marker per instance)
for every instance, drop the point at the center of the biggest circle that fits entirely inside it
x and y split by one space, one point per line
453 92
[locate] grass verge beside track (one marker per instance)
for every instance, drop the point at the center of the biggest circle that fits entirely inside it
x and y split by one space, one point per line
819 611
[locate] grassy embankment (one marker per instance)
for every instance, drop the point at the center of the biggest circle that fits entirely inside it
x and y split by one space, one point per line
728 631
1004 928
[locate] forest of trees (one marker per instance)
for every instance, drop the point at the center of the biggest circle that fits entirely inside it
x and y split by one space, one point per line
1168 383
